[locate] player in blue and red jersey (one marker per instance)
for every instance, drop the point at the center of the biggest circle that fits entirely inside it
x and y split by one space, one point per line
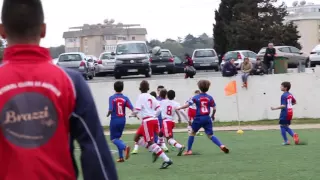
286 114
117 109
204 103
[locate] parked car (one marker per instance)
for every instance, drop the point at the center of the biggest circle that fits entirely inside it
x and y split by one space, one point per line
106 63
163 62
79 62
314 57
132 58
55 61
239 56
205 59
293 54
178 65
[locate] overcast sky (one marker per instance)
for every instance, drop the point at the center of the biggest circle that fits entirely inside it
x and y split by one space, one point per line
163 19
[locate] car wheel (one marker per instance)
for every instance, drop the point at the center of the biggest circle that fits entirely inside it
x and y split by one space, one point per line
117 76
216 69
148 74
171 71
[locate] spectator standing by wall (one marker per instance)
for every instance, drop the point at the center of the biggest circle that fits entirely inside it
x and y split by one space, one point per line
229 69
269 57
246 68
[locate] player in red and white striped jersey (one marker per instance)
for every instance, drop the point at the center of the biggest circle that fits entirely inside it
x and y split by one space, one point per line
168 113
149 108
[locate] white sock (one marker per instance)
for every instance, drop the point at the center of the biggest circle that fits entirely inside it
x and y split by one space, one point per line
142 143
136 147
174 143
158 151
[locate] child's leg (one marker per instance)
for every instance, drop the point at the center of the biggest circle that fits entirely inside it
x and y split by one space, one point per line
284 133
120 145
292 134
209 131
195 128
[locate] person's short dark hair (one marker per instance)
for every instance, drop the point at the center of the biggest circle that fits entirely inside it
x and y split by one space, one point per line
118 86
144 86
286 85
163 93
154 94
22 18
160 87
197 92
204 85
171 94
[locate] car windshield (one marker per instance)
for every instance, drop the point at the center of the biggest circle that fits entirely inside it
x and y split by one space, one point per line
231 55
105 56
131 48
70 57
204 53
262 50
165 54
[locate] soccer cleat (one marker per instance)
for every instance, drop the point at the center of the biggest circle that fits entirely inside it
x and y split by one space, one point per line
120 160
199 134
165 149
224 149
181 151
166 164
127 152
134 151
187 153
296 138
286 143
154 157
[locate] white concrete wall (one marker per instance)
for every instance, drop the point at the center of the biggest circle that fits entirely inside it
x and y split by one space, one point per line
254 103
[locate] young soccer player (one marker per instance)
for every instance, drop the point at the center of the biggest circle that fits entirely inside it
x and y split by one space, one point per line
192 114
154 94
168 112
204 103
117 105
287 102
161 139
159 88
149 108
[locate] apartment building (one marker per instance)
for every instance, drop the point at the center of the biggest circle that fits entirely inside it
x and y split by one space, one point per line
94 39
307 18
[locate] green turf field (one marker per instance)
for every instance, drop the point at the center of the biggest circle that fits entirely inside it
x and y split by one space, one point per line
255 155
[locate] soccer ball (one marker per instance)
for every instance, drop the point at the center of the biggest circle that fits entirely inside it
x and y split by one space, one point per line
156 50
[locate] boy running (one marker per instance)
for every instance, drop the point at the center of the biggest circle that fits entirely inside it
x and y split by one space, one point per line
149 108
117 105
168 113
204 103
286 114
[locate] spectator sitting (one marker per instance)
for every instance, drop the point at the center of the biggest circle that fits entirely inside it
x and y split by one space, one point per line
259 68
229 69
246 68
269 57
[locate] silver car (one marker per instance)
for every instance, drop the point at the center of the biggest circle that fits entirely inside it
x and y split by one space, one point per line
314 57
292 54
205 59
239 56
79 62
106 63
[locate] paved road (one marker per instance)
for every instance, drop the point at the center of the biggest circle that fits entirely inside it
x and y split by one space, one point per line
110 78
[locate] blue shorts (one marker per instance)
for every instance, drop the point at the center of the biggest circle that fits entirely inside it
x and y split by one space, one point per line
284 122
116 130
160 121
202 122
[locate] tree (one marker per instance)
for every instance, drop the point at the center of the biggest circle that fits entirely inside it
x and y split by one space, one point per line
56 51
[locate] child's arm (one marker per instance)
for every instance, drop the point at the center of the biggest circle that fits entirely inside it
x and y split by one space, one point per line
277 108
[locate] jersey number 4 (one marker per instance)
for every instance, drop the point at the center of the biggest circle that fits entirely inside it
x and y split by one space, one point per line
120 108
204 107
169 110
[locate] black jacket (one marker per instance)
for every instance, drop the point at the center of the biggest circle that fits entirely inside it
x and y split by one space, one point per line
229 69
272 52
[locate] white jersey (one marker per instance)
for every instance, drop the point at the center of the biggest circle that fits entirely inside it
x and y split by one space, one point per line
168 107
147 106
193 106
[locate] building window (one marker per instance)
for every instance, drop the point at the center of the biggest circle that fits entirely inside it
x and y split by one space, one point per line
122 38
133 38
107 38
86 50
85 42
71 40
114 38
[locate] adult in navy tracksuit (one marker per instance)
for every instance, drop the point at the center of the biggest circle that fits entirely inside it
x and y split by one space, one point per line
44 108
229 69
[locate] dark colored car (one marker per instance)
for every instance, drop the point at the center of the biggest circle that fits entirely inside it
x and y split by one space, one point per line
163 62
178 65
132 58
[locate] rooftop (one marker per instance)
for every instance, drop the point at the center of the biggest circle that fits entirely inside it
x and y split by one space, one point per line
105 31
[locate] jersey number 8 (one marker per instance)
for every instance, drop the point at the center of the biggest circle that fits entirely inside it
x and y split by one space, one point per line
169 110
